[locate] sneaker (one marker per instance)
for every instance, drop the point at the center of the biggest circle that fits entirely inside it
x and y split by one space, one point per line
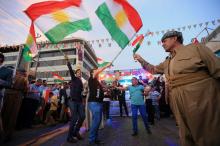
7 139
71 140
134 134
79 137
99 142
151 123
91 144
149 131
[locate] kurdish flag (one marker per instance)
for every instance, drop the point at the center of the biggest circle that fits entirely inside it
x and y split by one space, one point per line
101 62
138 38
120 19
57 78
138 45
58 19
30 47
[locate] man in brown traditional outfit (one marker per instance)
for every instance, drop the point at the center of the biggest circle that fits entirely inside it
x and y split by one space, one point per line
12 103
193 75
5 82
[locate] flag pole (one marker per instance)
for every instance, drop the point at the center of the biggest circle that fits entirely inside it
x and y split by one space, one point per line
117 56
122 50
62 52
37 64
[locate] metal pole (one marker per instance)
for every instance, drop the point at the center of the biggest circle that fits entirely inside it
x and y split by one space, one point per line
38 57
207 30
121 50
117 56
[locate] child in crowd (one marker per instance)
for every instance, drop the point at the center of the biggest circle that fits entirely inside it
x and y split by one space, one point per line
155 97
53 100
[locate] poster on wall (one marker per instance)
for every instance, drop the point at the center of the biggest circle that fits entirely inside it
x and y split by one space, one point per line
79 56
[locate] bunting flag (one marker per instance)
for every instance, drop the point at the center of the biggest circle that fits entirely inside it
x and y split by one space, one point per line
57 78
153 33
195 41
120 19
101 62
138 45
30 47
58 19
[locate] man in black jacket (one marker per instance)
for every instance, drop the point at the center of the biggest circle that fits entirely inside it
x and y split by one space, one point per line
75 103
64 100
122 101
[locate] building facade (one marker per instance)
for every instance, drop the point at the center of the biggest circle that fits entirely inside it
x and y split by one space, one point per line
213 41
51 59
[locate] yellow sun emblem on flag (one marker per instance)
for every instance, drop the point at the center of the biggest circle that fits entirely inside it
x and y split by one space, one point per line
121 18
60 16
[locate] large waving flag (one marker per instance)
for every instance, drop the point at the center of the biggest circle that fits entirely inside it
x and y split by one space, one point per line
30 47
58 19
101 62
120 19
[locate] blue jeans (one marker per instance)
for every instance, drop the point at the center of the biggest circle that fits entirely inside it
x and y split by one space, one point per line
77 110
142 110
96 109
157 111
1 98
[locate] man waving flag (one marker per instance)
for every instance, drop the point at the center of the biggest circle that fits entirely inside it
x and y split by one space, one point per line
58 19
120 19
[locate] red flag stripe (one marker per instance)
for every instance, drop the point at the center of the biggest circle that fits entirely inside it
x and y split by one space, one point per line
137 40
99 59
33 47
42 8
32 32
132 14
55 74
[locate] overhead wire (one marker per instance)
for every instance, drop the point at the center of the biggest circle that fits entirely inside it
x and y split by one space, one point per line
7 13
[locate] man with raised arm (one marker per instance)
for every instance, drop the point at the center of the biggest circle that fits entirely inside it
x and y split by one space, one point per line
75 103
95 103
193 76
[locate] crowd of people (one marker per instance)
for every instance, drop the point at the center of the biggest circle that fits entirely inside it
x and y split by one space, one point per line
39 103
190 86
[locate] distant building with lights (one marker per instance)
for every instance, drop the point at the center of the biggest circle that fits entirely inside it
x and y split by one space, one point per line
51 59
124 76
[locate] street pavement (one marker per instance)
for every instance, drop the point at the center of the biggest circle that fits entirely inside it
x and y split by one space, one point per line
116 133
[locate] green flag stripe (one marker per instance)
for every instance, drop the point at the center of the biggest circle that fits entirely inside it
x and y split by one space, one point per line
26 53
62 30
109 22
138 45
58 80
136 48
103 64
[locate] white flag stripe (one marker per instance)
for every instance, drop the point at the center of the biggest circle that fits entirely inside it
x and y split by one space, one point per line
127 28
74 13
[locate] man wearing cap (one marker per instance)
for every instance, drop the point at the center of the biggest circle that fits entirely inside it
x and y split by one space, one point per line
193 76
